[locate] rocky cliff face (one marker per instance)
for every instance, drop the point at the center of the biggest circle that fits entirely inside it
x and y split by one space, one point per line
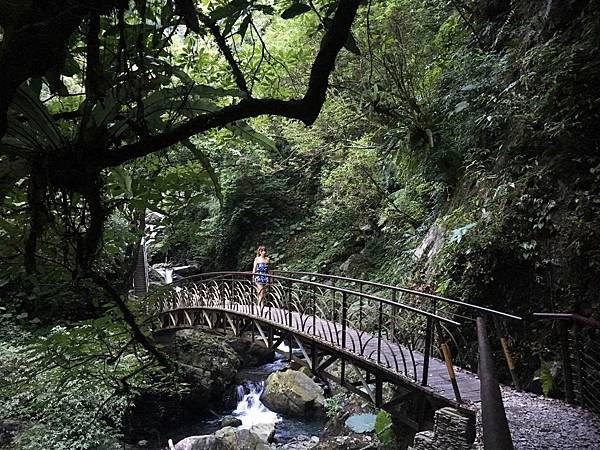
522 223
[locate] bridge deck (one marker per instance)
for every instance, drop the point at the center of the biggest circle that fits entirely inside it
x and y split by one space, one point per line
330 332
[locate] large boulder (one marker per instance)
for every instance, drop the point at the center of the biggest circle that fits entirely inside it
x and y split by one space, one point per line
227 438
236 439
292 393
265 431
206 442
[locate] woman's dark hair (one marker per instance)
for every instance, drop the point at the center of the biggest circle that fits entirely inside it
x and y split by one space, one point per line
260 249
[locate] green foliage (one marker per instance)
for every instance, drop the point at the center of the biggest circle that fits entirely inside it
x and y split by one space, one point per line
384 428
546 378
430 134
334 404
71 385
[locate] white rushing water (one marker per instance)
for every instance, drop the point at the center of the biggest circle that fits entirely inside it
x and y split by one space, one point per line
250 409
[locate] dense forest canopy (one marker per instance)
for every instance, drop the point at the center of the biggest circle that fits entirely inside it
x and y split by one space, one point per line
129 94
449 145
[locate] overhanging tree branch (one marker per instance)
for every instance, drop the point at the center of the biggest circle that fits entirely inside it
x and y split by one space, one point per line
305 109
225 50
129 318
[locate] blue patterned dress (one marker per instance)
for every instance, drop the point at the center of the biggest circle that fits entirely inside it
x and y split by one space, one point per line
261 268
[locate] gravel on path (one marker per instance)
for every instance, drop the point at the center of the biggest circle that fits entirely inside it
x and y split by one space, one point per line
538 423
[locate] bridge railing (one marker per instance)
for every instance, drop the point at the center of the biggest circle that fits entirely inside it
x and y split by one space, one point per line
456 310
422 300
579 347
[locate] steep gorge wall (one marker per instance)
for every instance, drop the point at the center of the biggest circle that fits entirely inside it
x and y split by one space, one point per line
524 220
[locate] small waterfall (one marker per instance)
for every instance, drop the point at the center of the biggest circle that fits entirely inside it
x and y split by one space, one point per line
165 272
250 409
168 275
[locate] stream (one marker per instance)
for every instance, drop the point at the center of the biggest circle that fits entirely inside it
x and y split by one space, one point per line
253 413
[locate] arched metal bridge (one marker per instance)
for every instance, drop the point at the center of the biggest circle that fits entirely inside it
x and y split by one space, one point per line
388 344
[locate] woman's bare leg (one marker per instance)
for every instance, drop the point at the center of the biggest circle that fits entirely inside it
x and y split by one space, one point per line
260 292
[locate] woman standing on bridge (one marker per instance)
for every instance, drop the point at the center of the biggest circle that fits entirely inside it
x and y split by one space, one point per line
260 270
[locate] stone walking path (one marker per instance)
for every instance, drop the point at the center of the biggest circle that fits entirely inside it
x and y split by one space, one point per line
538 423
